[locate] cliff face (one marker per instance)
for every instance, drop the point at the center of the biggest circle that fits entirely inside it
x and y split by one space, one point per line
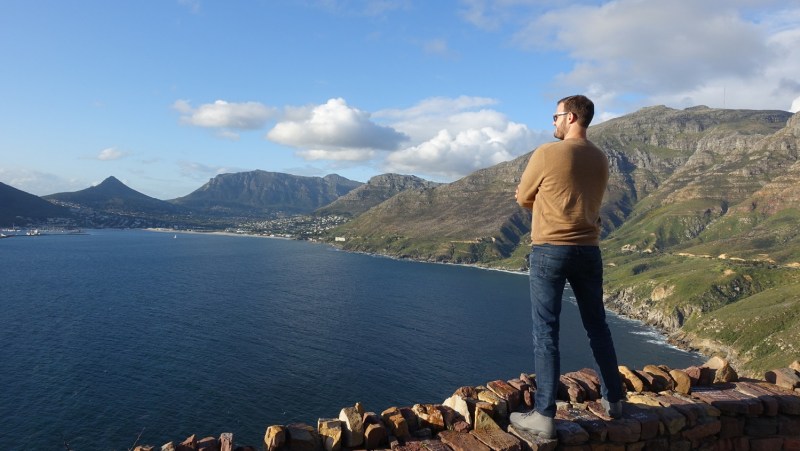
378 189
262 193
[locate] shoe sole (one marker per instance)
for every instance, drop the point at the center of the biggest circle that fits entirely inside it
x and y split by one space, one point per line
533 432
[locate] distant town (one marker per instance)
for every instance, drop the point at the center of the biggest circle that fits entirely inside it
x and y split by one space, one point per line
301 227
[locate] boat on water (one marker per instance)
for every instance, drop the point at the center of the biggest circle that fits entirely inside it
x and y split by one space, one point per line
34 232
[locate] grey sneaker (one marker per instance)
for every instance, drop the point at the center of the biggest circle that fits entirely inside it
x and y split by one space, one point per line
613 409
535 423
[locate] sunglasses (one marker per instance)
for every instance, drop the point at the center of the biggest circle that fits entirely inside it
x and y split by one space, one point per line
555 116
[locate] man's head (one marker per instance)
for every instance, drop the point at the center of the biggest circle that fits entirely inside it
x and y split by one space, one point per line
572 111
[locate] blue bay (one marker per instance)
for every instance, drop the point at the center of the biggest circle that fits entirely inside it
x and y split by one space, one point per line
115 333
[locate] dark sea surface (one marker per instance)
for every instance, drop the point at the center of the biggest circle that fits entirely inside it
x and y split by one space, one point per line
113 335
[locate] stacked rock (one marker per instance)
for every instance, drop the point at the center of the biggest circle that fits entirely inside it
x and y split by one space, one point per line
704 407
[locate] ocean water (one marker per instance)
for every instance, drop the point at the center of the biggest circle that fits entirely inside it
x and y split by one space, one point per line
117 335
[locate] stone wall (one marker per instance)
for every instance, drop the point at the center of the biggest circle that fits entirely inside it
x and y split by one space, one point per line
707 407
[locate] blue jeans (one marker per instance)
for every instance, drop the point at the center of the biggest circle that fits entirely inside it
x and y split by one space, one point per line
550 267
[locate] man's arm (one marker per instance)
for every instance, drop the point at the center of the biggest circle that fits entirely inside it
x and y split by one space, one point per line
529 183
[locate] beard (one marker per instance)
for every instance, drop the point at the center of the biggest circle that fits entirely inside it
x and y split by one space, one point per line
560 132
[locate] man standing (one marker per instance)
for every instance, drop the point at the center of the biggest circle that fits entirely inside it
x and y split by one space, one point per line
563 185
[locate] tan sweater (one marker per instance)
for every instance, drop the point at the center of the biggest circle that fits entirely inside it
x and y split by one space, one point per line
563 185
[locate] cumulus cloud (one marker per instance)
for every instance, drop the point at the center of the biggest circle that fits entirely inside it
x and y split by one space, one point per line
453 154
334 131
424 120
680 53
110 154
453 137
441 138
225 116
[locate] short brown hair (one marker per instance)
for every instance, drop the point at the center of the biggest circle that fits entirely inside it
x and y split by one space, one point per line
580 106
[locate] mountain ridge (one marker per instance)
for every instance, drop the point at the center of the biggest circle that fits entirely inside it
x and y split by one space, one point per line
114 196
263 193
377 190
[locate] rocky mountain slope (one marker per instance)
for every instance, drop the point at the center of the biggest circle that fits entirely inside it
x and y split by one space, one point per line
472 220
262 193
377 189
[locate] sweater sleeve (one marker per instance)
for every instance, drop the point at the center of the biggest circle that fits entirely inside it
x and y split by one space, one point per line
531 180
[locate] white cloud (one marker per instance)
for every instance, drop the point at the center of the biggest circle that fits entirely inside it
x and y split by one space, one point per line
680 53
110 154
335 130
453 137
225 115
446 138
424 120
453 154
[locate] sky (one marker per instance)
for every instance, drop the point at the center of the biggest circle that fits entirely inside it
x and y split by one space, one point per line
167 94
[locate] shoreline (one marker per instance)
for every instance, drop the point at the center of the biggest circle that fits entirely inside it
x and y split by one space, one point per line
666 338
215 232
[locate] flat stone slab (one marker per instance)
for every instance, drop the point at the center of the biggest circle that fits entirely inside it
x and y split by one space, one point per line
533 442
770 402
462 441
693 409
728 400
497 440
788 401
570 433
594 426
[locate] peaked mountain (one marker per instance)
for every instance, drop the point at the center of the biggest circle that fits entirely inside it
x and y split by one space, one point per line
21 208
376 190
262 193
114 196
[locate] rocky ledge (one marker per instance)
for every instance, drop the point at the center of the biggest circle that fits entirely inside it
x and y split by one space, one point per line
707 407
